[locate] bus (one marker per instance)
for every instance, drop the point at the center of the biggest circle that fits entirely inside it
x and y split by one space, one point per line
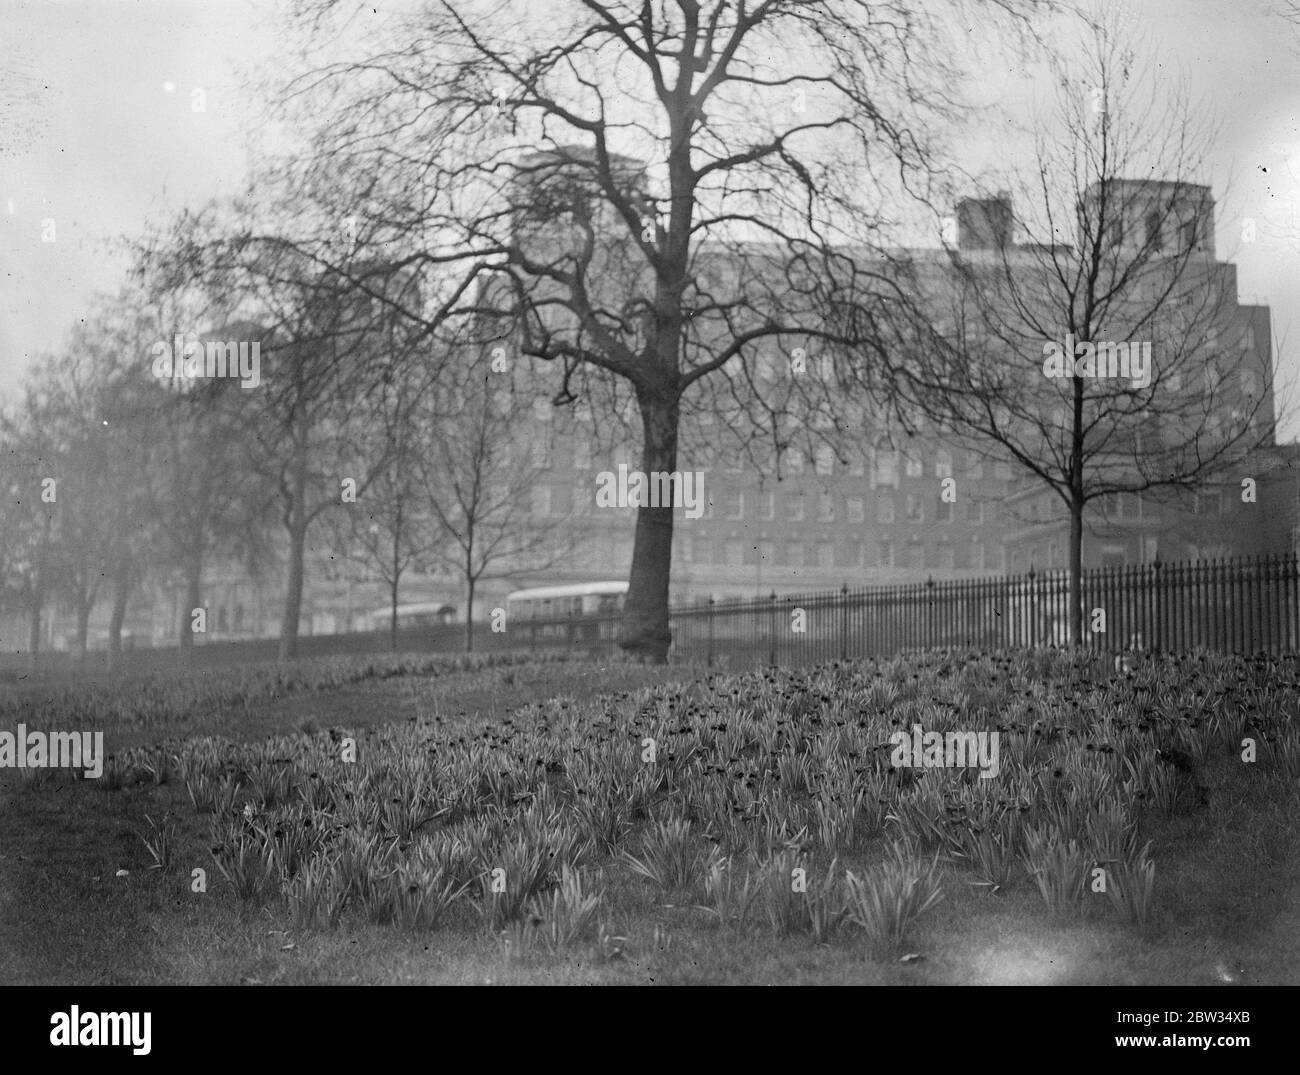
584 612
427 614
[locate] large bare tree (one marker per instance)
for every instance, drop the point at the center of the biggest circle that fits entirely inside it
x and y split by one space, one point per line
644 195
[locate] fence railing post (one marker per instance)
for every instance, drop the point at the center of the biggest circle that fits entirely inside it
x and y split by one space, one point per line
844 622
772 622
710 659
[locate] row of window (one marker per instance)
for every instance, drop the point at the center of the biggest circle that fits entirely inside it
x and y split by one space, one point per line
918 555
736 505
886 466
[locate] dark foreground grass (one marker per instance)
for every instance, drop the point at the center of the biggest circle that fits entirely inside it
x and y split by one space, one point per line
1226 901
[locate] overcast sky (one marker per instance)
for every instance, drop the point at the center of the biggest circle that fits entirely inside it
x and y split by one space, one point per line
98 133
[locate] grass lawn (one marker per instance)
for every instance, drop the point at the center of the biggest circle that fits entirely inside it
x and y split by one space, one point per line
617 869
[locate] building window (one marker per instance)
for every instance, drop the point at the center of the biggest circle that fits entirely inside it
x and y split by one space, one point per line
561 501
1112 555
542 448
794 461
825 461
943 510
915 510
886 469
857 465
735 553
886 554
794 553
974 511
884 508
943 463
582 498
945 556
1002 471
826 508
794 507
735 504
855 509
581 450
975 468
767 505
826 554
916 557
1155 232
914 466
541 500
848 554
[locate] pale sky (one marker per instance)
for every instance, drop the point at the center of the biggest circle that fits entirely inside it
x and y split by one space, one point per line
98 133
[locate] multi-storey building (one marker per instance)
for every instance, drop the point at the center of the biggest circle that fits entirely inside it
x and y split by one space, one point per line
878 513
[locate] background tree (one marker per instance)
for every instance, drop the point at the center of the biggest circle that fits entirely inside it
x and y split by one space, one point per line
202 495
481 473
1119 260
27 522
388 530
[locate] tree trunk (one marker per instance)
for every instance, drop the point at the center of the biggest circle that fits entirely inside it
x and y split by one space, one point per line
1077 502
392 622
297 542
644 632
34 631
396 574
1076 574
469 613
193 589
83 632
121 591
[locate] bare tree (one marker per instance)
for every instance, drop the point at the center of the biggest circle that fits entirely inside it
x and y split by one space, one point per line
203 499
388 530
26 525
326 348
480 475
644 195
1110 357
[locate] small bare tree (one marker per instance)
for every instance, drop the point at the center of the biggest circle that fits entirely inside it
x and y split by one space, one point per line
27 522
482 479
1110 357
388 530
